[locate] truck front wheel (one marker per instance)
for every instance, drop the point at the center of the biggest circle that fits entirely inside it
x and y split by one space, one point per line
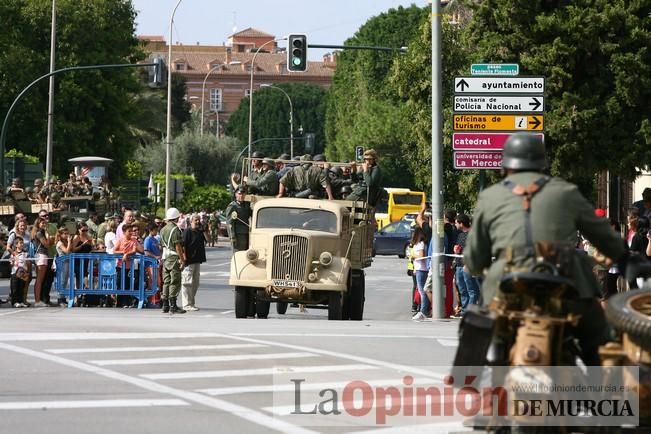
241 301
335 304
356 296
262 306
281 307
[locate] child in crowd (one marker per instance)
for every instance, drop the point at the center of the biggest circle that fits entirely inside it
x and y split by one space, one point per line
21 274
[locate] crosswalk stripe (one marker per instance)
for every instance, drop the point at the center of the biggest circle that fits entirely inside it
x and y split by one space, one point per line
201 359
99 403
77 336
252 372
308 386
146 349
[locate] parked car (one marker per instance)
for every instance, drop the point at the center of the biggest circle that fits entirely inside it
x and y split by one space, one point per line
393 239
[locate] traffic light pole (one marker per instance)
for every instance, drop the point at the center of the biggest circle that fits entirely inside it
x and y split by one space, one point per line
358 47
5 123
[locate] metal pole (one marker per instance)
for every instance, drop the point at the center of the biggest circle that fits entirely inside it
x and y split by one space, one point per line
291 118
168 134
251 92
438 287
50 104
5 123
203 91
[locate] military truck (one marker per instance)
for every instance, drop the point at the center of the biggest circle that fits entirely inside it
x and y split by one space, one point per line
305 251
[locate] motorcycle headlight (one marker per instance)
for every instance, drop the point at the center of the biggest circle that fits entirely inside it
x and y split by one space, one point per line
251 255
325 259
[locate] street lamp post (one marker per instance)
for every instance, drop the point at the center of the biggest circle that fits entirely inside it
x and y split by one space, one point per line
169 111
251 92
291 118
203 92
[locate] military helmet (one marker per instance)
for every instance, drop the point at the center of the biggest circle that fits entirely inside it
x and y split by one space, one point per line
16 181
524 151
346 189
284 157
28 190
172 214
257 154
269 162
370 153
319 157
306 157
55 196
38 181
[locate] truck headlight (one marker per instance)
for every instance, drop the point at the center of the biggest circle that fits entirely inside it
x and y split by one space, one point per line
251 255
312 277
325 259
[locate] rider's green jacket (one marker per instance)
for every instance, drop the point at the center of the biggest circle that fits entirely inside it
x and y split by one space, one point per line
557 211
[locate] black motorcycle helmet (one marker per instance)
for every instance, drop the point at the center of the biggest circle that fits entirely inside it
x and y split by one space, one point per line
524 151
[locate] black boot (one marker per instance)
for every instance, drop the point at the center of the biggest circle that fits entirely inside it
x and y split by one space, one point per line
165 304
174 308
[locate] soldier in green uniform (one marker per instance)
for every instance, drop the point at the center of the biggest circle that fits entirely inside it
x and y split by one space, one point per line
267 182
238 213
305 181
506 228
370 184
256 171
171 241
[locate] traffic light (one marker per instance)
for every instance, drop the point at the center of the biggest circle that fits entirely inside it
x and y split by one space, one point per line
297 53
359 153
158 73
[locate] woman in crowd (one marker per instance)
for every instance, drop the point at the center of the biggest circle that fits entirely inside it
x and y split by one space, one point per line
128 246
82 243
109 238
41 242
420 268
63 247
20 231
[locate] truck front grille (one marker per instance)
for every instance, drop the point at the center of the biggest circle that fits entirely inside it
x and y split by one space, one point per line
289 257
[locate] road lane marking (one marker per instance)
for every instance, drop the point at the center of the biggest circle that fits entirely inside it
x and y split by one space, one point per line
360 359
227 312
343 335
99 403
448 342
428 428
242 412
77 336
145 349
201 359
253 372
309 386
22 310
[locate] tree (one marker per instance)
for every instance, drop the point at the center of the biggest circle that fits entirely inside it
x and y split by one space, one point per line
271 117
363 107
206 157
596 58
92 108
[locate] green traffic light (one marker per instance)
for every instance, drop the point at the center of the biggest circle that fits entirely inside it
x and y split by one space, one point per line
296 61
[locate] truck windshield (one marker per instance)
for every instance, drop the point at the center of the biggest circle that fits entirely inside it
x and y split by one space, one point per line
297 218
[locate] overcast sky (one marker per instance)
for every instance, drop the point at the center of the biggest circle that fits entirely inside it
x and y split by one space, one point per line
211 22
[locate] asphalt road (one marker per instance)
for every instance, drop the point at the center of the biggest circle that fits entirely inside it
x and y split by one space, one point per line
107 370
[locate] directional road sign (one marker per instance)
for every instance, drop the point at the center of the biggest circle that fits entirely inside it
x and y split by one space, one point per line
490 122
478 160
490 103
509 85
494 69
481 141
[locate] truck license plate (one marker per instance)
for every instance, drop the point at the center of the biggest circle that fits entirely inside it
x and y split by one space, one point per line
286 283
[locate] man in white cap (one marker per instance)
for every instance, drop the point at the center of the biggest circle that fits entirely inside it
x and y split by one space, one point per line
173 261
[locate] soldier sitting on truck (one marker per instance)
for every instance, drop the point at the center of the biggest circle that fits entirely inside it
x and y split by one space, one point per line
16 190
305 181
267 182
369 186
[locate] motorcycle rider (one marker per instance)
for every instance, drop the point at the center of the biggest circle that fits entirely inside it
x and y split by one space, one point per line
515 219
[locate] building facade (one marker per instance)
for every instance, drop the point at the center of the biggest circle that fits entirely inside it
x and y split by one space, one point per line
218 77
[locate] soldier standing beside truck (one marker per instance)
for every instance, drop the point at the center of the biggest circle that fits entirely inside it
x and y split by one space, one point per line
173 261
238 213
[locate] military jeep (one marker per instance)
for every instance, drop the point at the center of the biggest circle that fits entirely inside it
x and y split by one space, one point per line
304 251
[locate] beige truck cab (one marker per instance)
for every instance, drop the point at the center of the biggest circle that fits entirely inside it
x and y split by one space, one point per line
304 251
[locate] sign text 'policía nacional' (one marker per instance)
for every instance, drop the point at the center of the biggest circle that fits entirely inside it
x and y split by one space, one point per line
499 85
491 122
478 160
490 103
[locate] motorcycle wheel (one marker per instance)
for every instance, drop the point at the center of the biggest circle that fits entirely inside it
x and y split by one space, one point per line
630 313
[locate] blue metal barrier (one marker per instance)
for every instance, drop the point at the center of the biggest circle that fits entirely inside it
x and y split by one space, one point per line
104 274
